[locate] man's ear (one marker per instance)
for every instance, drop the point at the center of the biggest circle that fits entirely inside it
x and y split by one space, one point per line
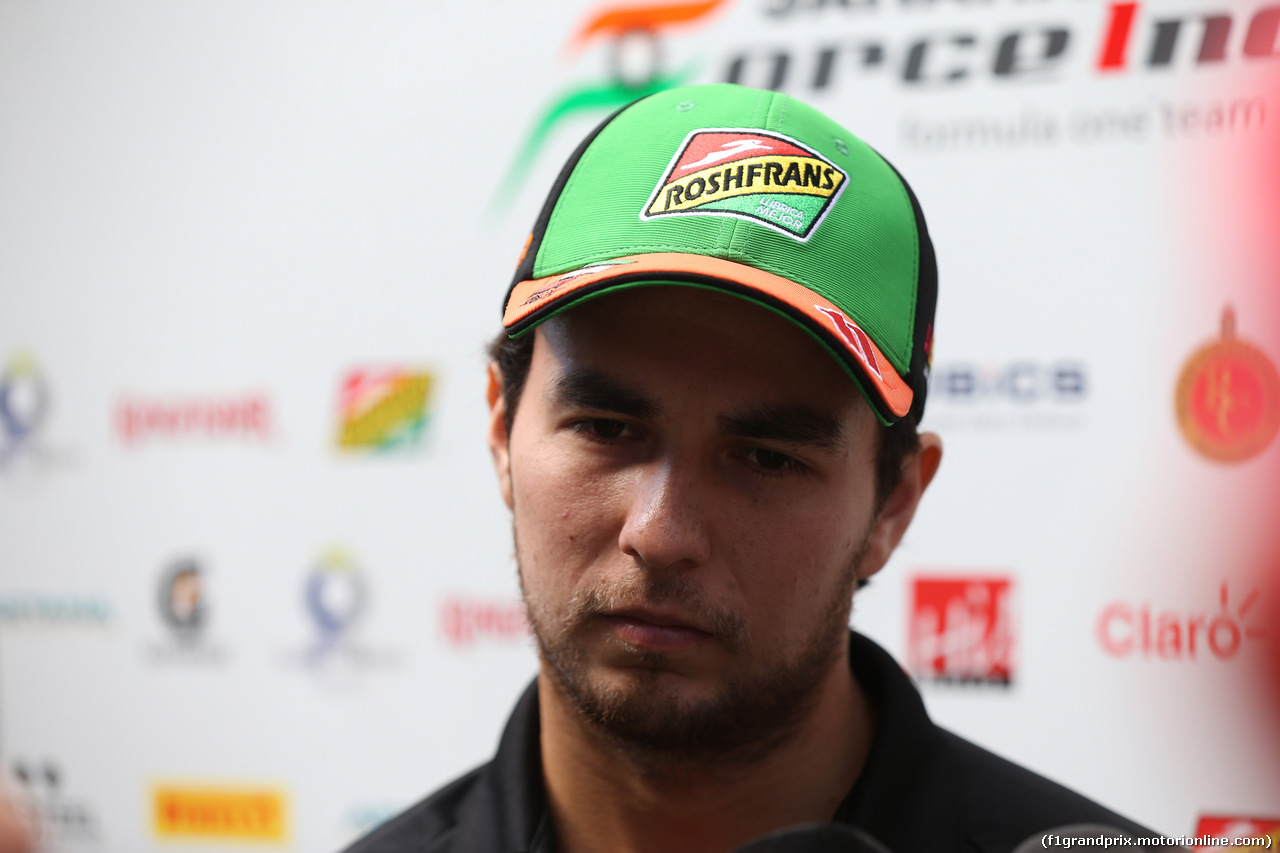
895 517
499 440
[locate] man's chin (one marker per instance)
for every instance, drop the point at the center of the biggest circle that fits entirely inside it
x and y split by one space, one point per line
665 718
653 711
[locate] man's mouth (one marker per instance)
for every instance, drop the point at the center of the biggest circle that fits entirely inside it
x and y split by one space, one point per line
656 630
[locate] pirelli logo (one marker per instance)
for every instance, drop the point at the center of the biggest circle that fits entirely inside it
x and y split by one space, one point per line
764 177
217 813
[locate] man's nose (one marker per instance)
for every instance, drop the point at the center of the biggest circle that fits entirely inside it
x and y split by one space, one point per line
667 520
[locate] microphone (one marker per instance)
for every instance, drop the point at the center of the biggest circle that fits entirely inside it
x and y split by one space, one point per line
814 838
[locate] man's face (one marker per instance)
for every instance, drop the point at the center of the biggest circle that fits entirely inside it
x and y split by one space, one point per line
691 480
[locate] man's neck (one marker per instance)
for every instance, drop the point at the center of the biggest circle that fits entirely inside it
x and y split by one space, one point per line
603 797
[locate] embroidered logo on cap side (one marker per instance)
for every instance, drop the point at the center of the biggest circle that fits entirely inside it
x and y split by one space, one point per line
764 177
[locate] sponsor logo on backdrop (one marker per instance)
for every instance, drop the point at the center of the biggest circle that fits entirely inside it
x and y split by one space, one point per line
996 47
1027 46
385 409
24 406
761 177
336 594
999 47
219 813
366 816
1017 394
63 817
183 607
182 599
52 610
1128 630
468 621
1229 831
633 34
1228 398
232 417
335 597
962 630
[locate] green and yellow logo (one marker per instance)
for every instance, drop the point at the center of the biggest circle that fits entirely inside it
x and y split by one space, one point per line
383 409
763 177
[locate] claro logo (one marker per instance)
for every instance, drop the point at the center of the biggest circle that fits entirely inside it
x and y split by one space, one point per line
1138 631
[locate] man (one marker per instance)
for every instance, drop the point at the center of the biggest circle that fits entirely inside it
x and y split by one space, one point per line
703 419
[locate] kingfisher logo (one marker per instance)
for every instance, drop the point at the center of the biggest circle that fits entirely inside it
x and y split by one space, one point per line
383 409
1228 398
762 177
962 630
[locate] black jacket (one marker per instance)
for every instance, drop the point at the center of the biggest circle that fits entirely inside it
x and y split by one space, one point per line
922 789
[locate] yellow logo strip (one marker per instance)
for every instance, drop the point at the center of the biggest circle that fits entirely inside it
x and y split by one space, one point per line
219 813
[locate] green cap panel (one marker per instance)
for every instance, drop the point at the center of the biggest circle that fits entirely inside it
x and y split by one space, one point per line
861 247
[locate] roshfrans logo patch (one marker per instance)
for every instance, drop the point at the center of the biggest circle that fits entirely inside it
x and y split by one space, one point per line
764 177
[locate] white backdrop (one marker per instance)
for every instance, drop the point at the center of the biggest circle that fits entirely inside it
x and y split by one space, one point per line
255 579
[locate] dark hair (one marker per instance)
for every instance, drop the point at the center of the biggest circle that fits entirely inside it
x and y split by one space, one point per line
897 442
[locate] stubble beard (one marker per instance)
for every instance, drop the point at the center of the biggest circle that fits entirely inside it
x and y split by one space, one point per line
749 716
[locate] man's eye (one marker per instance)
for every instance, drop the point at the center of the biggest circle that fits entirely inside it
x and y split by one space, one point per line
603 428
772 460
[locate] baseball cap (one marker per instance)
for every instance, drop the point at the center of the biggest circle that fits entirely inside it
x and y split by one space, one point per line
756 194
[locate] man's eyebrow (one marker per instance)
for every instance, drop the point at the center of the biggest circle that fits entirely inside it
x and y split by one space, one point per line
592 389
791 424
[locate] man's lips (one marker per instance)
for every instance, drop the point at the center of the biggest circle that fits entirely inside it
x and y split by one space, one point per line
654 630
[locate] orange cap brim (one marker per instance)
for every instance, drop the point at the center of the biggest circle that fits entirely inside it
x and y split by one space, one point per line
533 300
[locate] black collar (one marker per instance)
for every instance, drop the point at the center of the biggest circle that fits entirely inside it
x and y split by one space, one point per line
906 796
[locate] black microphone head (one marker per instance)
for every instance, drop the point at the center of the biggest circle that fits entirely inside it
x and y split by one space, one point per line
814 838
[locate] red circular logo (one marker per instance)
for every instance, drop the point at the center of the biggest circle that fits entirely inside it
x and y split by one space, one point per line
1229 398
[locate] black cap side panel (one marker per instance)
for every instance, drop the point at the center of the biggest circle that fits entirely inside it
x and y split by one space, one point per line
524 271
926 305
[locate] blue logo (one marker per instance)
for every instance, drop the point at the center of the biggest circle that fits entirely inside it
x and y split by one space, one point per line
335 597
24 404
